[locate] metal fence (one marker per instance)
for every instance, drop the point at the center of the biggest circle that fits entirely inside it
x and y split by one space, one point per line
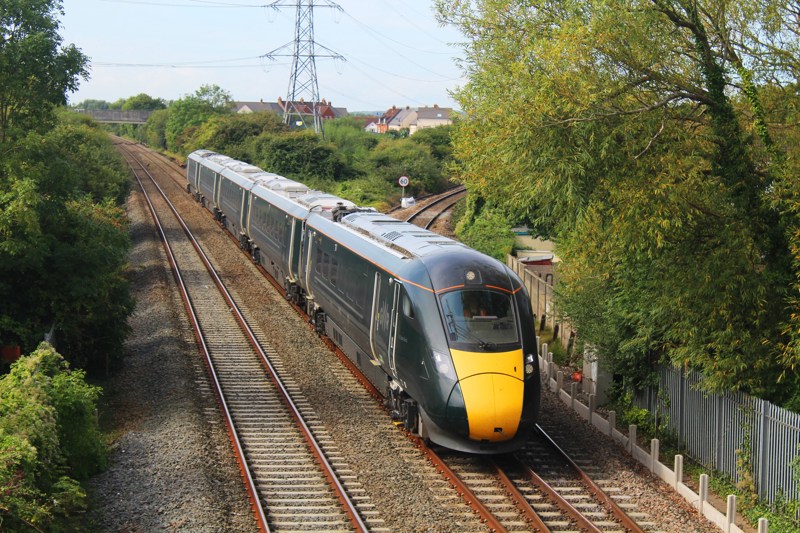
542 293
716 429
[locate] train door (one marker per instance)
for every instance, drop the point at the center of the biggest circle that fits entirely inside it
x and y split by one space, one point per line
383 322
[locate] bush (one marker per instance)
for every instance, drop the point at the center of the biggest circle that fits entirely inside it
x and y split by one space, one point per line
49 438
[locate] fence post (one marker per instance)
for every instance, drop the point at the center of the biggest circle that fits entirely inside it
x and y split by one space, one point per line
703 491
678 470
730 514
760 451
612 423
763 525
592 407
573 392
631 438
654 454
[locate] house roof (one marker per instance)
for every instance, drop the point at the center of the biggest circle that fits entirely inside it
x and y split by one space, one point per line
434 113
254 107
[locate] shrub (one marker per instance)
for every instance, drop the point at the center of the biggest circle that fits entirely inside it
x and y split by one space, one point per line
49 438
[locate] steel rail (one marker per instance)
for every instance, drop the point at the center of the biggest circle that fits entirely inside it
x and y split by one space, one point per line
255 501
328 469
457 190
491 521
626 521
435 217
522 504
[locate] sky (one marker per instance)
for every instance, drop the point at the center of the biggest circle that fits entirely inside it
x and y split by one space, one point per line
395 53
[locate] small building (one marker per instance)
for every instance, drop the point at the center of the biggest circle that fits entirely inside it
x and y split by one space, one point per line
431 117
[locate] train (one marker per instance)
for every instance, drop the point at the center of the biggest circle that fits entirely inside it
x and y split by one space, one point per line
444 331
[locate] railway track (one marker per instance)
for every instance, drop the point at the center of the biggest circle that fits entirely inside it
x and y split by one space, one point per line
429 213
502 494
539 489
290 466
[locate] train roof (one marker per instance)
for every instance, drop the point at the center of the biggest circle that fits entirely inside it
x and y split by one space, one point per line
399 235
279 184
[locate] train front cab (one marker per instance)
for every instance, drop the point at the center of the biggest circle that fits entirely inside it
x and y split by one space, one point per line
495 395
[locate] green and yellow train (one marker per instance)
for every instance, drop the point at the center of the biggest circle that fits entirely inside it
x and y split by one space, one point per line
445 331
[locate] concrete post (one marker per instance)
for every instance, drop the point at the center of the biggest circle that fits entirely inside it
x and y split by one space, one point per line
573 392
592 407
678 470
559 380
763 525
730 514
631 437
703 491
654 454
612 423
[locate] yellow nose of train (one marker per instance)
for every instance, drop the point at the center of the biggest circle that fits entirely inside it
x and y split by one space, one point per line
492 385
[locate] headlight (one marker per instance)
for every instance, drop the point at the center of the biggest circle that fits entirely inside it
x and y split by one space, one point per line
444 365
529 362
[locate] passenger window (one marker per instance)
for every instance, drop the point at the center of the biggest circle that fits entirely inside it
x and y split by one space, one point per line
408 309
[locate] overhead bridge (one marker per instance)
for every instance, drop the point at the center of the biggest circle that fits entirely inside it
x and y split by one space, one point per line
109 116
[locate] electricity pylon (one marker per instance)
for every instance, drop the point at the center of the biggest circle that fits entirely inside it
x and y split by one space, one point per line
303 91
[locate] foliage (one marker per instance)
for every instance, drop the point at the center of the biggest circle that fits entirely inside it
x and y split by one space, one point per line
640 135
437 140
351 139
63 244
231 134
189 112
144 102
36 70
153 132
49 437
299 155
392 158
487 230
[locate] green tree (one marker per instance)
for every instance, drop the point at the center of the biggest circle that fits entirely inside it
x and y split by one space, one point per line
153 132
144 102
393 158
49 438
634 133
437 140
300 155
232 134
36 70
63 244
189 112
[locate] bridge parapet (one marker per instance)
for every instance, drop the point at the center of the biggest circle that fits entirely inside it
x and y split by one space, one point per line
118 117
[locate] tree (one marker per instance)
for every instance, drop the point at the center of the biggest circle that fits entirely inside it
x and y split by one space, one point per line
393 158
144 102
189 112
634 132
63 244
49 438
36 70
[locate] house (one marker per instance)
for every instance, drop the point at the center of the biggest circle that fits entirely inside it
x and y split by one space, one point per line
255 107
431 117
396 119
326 109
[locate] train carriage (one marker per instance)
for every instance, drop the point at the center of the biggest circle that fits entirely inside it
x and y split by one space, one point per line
445 331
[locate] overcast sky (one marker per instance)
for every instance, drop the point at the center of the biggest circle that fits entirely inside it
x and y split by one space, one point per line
395 53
